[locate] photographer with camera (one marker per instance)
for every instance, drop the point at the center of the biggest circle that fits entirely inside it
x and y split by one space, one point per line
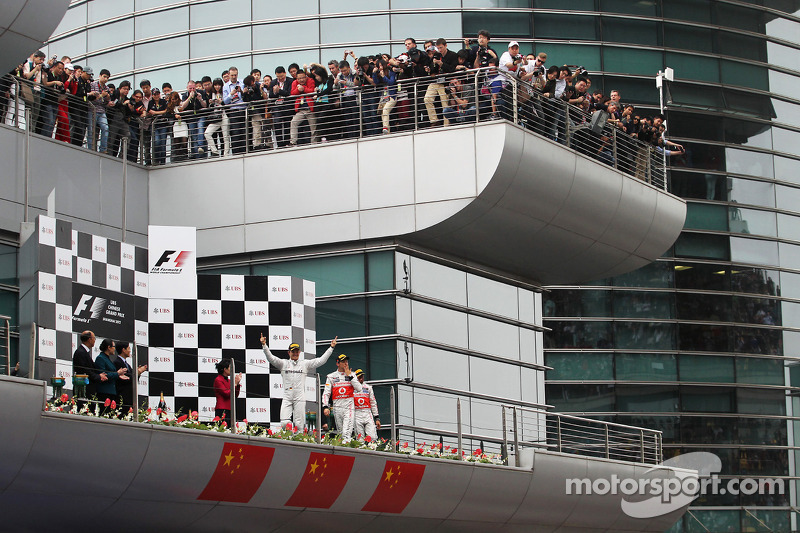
511 60
443 62
348 100
117 112
481 52
194 102
370 95
303 90
462 101
279 91
386 80
232 96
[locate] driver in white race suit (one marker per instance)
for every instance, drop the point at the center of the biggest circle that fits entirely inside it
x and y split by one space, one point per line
294 371
366 409
340 386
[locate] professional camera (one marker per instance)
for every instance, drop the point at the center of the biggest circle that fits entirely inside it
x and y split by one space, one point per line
580 71
437 56
539 71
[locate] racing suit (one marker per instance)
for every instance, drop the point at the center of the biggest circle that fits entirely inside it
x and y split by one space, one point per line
366 410
294 385
341 388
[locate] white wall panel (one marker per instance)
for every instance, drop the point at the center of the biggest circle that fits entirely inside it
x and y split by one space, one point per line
492 337
446 369
438 281
438 324
492 296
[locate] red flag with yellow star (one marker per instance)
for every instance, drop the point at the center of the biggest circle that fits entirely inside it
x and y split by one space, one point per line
323 481
399 482
240 471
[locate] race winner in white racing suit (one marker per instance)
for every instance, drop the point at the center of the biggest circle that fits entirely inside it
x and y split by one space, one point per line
366 409
340 386
294 371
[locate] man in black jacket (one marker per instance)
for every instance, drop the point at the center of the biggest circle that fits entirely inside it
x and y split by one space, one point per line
443 62
279 92
82 363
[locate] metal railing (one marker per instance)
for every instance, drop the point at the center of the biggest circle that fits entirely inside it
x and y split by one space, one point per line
350 112
577 435
5 348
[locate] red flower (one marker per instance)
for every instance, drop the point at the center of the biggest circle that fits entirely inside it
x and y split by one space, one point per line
130 409
269 431
245 421
367 439
224 424
182 418
477 452
64 398
149 410
108 402
289 426
405 444
113 404
194 415
158 411
216 419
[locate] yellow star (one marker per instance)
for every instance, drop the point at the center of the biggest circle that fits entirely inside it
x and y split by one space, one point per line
241 457
389 475
240 450
231 471
314 466
228 459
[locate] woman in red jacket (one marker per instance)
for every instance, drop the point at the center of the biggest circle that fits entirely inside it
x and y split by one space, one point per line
222 390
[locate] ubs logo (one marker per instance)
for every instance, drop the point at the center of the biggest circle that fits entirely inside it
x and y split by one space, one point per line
162 310
47 231
233 288
84 270
47 287
234 336
126 255
48 343
214 360
257 313
162 359
64 262
258 409
280 337
309 294
209 312
186 384
113 277
280 289
297 315
100 249
141 284
141 333
254 361
186 335
62 316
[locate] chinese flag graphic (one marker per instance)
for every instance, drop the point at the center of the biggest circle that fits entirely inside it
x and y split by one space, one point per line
322 482
399 482
240 471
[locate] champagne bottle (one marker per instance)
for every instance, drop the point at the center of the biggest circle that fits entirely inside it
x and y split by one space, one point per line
162 404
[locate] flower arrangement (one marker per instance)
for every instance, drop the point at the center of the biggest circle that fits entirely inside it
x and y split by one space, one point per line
111 410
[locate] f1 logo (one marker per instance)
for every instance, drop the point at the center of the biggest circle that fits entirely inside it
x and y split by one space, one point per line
86 301
179 260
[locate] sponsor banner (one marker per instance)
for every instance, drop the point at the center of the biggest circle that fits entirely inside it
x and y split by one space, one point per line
99 249
232 287
64 263
47 230
207 359
256 362
47 287
84 271
172 262
256 313
209 312
47 343
309 293
280 288
233 337
280 337
106 313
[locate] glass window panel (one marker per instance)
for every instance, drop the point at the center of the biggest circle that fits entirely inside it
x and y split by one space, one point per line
336 6
700 156
9 306
173 75
572 54
761 431
629 304
702 246
411 24
764 311
690 38
687 94
753 104
160 52
105 10
694 10
243 270
357 352
783 28
706 216
630 30
745 75
695 126
657 274
786 141
790 285
782 55
277 10
754 251
788 198
576 5
707 399
72 46
647 398
706 368
287 34
703 337
497 3
786 112
644 336
8 265
109 35
581 398
712 520
578 334
754 280
782 83
215 68
340 30
578 303
790 313
739 17
668 425
631 60
759 371
765 520
752 221
268 62
646 367
380 266
788 227
749 162
233 41
218 13
161 23
119 60
381 315
382 361
548 26
635 91
642 7
580 365
345 318
757 340
753 134
414 4
697 185
333 275
761 401
751 192
708 429
741 46
500 25
75 17
709 307
700 276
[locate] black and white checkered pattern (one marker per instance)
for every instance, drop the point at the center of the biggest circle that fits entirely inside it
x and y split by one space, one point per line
180 340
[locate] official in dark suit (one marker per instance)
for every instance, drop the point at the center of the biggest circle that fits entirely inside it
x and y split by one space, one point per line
125 387
82 363
107 390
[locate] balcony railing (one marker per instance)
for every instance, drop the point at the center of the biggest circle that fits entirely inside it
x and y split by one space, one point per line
351 113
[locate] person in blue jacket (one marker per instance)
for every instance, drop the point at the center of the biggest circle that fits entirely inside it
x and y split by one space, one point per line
105 363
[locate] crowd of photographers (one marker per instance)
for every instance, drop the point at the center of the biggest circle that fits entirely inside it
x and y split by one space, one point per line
352 97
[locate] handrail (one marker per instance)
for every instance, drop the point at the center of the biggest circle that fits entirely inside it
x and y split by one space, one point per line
6 333
349 113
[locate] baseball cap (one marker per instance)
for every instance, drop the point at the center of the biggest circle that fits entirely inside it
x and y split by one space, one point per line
513 43
89 71
69 66
294 346
359 372
342 357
